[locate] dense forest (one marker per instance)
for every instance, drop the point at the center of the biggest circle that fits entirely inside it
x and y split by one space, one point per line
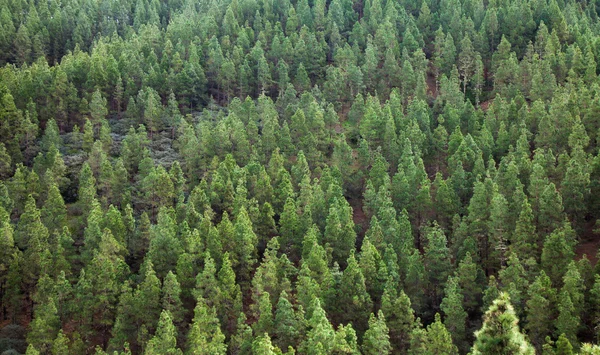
299 177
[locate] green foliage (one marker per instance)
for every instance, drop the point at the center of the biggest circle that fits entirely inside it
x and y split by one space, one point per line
290 168
376 339
164 341
205 336
500 333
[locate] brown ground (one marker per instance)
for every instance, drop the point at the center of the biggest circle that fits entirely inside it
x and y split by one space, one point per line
486 104
343 112
588 248
431 87
589 244
359 217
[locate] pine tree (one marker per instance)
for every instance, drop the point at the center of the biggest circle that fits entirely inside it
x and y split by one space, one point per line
98 108
525 241
165 247
158 189
245 245
230 298
207 286
60 344
500 333
320 336
436 340
551 210
289 228
456 317
45 326
87 189
31 350
264 323
32 236
289 325
574 285
107 270
165 339
370 265
30 225
568 321
262 345
563 346
376 339
558 252
171 298
498 229
416 281
354 303
437 260
540 309
54 212
466 61
575 189
339 231
7 244
205 335
470 278
400 319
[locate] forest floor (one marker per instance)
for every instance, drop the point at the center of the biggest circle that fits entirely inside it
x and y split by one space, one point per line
431 86
589 244
358 215
588 248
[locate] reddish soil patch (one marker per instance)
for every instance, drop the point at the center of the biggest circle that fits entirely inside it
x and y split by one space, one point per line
343 112
23 316
590 249
486 104
589 244
431 86
359 217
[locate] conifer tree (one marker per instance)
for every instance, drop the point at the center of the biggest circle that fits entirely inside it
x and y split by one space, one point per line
241 342
574 285
244 253
289 325
165 339
264 323
500 333
354 303
540 309
568 320
54 212
455 315
525 241
434 340
339 231
437 260
400 319
87 189
45 326
205 336
207 286
165 246
230 298
563 346
60 344
320 336
376 339
557 253
551 210
262 345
